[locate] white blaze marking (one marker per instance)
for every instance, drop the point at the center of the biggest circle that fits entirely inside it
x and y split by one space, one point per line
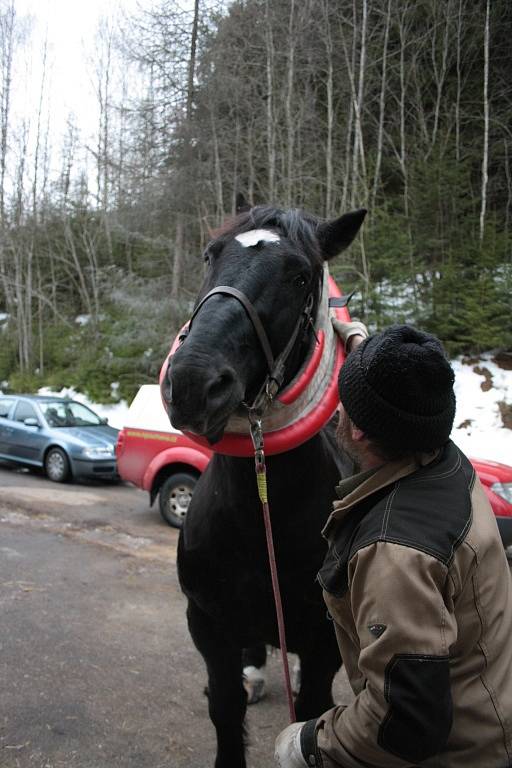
255 236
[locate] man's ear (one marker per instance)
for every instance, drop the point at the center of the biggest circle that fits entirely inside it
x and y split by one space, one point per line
336 235
241 204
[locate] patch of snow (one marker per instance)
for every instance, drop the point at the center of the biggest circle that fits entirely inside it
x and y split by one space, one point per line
485 437
86 319
402 300
114 390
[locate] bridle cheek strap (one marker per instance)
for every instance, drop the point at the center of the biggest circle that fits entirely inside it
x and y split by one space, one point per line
276 367
275 378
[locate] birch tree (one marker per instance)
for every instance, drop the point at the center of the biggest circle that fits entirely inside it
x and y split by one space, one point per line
382 107
7 44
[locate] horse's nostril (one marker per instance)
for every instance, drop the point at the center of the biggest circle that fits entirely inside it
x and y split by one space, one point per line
167 393
167 387
220 386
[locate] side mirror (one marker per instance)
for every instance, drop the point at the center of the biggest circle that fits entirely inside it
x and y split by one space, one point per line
31 422
104 420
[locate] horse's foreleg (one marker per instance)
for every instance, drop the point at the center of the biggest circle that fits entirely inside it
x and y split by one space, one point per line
254 660
227 698
317 670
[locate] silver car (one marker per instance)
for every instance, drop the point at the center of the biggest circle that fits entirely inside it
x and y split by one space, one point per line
63 436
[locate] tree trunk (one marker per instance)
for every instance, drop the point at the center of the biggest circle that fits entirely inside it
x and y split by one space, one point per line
177 259
329 87
459 84
290 134
485 157
192 61
7 24
219 197
382 107
271 137
359 149
508 207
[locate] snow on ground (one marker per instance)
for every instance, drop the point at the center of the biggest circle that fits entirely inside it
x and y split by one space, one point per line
483 435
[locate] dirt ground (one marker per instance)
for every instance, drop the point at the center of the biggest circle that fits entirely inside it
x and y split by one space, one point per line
97 668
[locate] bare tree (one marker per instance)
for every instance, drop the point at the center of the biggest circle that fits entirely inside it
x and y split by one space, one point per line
271 134
7 35
382 107
329 87
459 81
485 156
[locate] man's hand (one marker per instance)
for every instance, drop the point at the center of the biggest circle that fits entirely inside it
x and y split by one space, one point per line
288 753
351 334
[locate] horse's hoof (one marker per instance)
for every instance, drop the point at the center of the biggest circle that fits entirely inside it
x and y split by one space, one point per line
254 683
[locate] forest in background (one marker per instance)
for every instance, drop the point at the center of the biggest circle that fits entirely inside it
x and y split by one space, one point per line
400 106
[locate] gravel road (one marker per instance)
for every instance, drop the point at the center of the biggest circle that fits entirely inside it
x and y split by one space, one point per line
96 664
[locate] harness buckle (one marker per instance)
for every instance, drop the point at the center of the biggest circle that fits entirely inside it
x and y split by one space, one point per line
183 335
257 441
256 431
272 386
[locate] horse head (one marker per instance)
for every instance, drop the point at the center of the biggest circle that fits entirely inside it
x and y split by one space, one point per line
271 259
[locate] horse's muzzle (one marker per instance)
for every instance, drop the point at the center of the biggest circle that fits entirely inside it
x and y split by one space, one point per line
200 399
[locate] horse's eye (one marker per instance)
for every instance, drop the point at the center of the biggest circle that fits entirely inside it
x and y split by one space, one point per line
299 281
206 259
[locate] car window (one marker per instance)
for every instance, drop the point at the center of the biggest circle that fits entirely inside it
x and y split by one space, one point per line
24 411
5 407
71 414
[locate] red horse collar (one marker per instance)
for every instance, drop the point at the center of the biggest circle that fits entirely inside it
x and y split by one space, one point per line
306 404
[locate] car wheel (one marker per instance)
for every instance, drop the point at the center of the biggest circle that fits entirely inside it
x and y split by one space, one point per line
56 465
175 496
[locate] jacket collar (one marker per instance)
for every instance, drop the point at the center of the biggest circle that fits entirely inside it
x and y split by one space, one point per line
354 489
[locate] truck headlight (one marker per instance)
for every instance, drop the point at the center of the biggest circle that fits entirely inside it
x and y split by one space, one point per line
99 452
504 490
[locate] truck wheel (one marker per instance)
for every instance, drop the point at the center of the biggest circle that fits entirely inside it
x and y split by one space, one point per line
174 497
56 465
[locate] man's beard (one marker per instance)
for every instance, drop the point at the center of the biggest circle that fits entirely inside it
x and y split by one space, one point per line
345 441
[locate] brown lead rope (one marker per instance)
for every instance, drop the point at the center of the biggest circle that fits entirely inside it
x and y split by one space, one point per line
261 479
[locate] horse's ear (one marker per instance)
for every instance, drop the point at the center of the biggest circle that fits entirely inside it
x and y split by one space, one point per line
241 204
336 235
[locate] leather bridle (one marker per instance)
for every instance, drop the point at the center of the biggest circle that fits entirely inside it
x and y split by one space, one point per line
276 366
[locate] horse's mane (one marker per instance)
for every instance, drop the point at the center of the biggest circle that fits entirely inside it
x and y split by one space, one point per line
296 225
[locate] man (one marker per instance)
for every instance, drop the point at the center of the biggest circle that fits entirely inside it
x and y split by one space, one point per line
415 579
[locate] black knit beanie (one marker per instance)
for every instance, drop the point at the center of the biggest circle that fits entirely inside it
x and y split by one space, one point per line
397 387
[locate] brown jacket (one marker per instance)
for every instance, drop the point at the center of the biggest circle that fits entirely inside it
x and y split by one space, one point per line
418 586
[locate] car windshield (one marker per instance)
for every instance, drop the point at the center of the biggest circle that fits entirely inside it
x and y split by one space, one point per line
71 414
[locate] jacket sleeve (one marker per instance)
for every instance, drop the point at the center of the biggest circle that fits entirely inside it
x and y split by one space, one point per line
403 714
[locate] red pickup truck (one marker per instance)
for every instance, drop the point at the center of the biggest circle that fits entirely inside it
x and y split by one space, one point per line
154 456
163 461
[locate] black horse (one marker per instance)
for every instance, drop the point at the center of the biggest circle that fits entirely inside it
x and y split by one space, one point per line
222 555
